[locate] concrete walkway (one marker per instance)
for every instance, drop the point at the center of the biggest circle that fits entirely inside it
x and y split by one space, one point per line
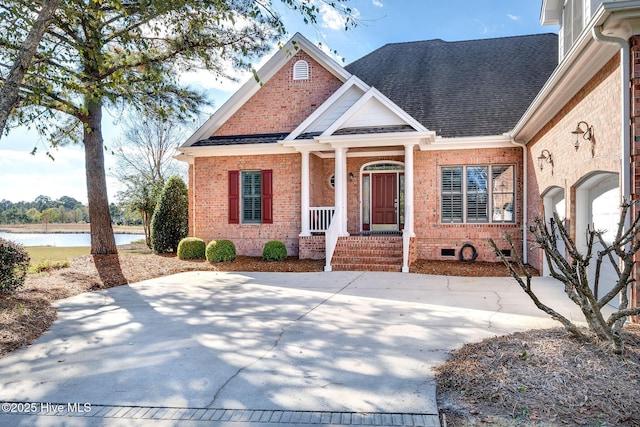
207 348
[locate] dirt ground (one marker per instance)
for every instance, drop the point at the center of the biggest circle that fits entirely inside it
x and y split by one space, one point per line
541 378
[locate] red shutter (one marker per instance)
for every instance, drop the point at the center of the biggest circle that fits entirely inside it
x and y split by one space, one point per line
267 196
234 197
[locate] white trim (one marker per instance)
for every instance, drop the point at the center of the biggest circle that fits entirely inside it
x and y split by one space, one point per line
585 58
551 12
468 143
361 172
301 70
353 81
237 150
370 94
377 139
251 87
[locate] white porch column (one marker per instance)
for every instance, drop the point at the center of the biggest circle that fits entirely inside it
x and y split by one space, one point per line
408 190
304 193
345 210
340 194
408 231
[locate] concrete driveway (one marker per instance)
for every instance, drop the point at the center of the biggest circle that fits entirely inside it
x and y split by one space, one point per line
208 348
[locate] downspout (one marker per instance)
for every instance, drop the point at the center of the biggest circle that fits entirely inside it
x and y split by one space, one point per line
625 166
525 204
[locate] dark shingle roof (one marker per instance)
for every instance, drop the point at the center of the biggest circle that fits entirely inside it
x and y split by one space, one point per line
264 138
467 88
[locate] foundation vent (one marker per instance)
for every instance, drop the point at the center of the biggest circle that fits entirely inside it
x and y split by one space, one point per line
447 252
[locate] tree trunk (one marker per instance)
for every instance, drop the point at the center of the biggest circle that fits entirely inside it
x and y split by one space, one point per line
10 91
102 240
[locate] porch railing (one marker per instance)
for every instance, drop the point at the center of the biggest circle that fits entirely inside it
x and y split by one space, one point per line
331 240
320 218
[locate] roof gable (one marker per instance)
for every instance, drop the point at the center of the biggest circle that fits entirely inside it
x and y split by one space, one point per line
373 110
296 44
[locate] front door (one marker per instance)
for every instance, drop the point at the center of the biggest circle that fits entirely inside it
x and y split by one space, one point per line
384 201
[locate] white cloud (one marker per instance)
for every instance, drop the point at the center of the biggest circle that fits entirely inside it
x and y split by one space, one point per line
332 19
330 52
514 17
377 3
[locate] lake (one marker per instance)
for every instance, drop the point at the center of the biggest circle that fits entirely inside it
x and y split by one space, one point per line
63 239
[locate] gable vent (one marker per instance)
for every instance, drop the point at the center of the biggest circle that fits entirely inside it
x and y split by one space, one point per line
301 70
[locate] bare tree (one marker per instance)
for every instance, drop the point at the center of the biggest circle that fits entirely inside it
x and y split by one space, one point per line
573 272
144 161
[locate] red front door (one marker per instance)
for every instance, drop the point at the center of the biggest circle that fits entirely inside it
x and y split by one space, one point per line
384 201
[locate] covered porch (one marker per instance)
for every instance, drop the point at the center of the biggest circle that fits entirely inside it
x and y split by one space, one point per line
357 200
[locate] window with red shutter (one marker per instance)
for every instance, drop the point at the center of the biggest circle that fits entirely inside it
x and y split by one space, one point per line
267 196
234 197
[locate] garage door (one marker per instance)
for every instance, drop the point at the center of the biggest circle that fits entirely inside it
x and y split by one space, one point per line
605 215
554 203
598 206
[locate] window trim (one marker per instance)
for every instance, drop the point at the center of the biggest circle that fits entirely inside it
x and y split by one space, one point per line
254 196
236 197
464 193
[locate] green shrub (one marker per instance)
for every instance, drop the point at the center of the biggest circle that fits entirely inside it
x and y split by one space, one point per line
170 223
191 248
274 251
14 263
221 251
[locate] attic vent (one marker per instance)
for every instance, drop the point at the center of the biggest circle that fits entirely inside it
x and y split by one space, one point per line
301 70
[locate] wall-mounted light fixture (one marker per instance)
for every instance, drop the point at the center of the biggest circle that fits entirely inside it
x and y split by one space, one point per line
351 176
545 157
587 135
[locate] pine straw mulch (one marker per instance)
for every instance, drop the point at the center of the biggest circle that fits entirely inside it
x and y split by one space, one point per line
542 377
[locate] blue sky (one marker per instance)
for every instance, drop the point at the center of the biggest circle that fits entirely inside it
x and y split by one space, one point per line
24 177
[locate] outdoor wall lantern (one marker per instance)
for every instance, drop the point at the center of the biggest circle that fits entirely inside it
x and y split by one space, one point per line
587 135
545 157
351 176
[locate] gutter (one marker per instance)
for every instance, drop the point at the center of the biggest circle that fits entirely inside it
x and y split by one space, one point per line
625 167
525 199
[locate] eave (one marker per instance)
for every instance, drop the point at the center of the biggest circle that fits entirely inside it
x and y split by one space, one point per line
586 57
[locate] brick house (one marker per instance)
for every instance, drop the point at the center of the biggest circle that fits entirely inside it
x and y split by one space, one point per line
400 155
424 150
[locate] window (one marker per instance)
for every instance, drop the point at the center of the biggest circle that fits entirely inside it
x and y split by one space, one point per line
250 197
451 195
301 70
477 194
572 22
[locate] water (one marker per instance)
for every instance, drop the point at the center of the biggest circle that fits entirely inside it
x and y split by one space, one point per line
63 239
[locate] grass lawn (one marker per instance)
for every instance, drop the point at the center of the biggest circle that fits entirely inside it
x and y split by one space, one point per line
39 254
55 253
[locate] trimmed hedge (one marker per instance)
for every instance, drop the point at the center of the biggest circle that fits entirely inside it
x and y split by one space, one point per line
191 248
274 250
14 263
221 251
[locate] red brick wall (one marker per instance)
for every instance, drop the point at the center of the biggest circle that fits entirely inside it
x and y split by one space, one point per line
635 154
282 103
210 202
431 234
312 247
597 103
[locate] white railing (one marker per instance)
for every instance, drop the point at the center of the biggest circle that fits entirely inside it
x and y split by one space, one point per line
320 218
331 239
406 243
